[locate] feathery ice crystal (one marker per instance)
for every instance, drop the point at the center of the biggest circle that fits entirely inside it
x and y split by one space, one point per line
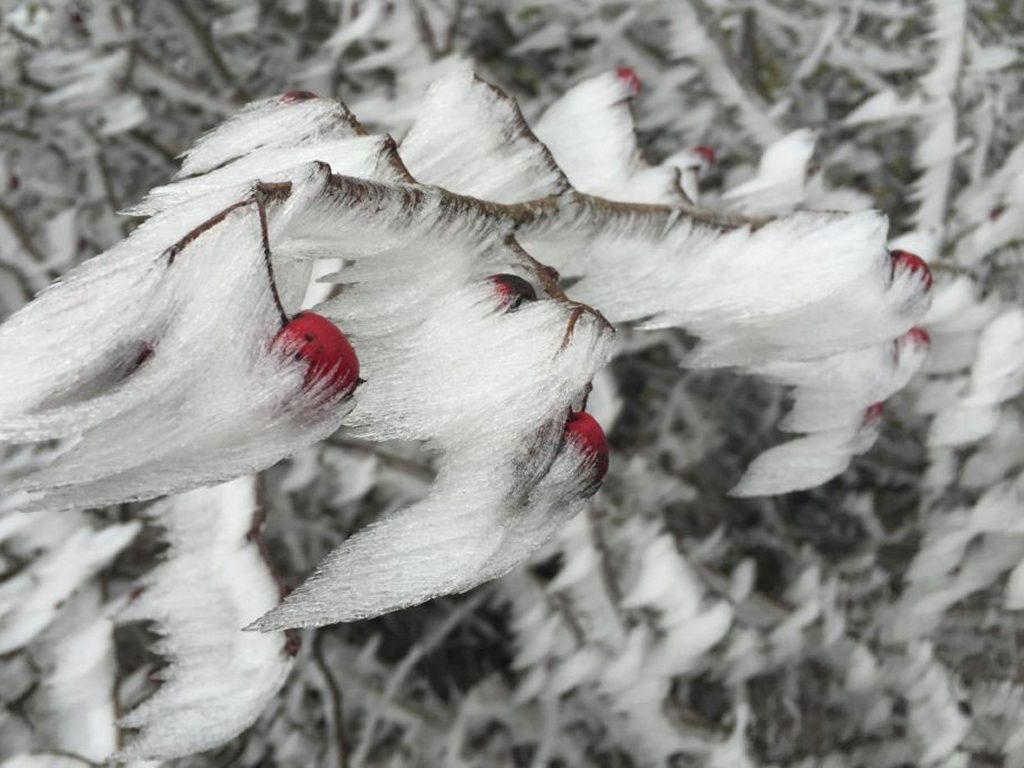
444 308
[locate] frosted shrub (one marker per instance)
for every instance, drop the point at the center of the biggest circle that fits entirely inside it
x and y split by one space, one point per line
368 348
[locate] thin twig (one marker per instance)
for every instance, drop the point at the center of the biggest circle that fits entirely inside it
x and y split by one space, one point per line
201 34
424 29
415 468
10 218
449 38
579 209
261 209
412 658
337 712
267 192
724 73
750 55
150 72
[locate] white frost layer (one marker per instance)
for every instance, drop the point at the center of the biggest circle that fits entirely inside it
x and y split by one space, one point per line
459 376
832 401
74 707
689 624
444 363
506 483
478 523
31 599
470 138
162 372
371 157
828 393
807 461
778 185
810 299
996 376
442 359
212 583
798 287
182 391
273 122
963 552
590 132
42 760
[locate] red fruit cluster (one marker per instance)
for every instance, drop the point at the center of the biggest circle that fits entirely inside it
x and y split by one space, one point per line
914 264
584 431
330 360
511 291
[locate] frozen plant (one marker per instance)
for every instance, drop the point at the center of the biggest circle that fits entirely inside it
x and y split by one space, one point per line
372 345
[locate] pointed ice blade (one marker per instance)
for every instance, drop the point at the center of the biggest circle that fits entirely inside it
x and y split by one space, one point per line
470 138
212 582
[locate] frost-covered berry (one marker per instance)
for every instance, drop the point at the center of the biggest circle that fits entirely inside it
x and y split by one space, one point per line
905 260
583 430
330 359
918 336
512 291
290 97
873 413
708 153
145 351
911 345
630 79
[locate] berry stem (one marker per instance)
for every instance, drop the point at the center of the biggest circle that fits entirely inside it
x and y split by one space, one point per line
261 209
172 252
548 278
259 199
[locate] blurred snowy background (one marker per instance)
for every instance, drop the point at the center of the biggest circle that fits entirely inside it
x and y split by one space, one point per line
871 621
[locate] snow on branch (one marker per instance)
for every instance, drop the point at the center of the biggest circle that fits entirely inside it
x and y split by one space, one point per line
214 579
187 387
75 707
997 375
293 119
590 131
70 552
487 151
753 291
426 320
419 323
157 357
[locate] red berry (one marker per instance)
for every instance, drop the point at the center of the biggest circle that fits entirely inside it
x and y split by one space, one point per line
630 79
708 153
512 291
586 433
996 212
918 335
320 343
290 97
145 351
873 413
913 263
